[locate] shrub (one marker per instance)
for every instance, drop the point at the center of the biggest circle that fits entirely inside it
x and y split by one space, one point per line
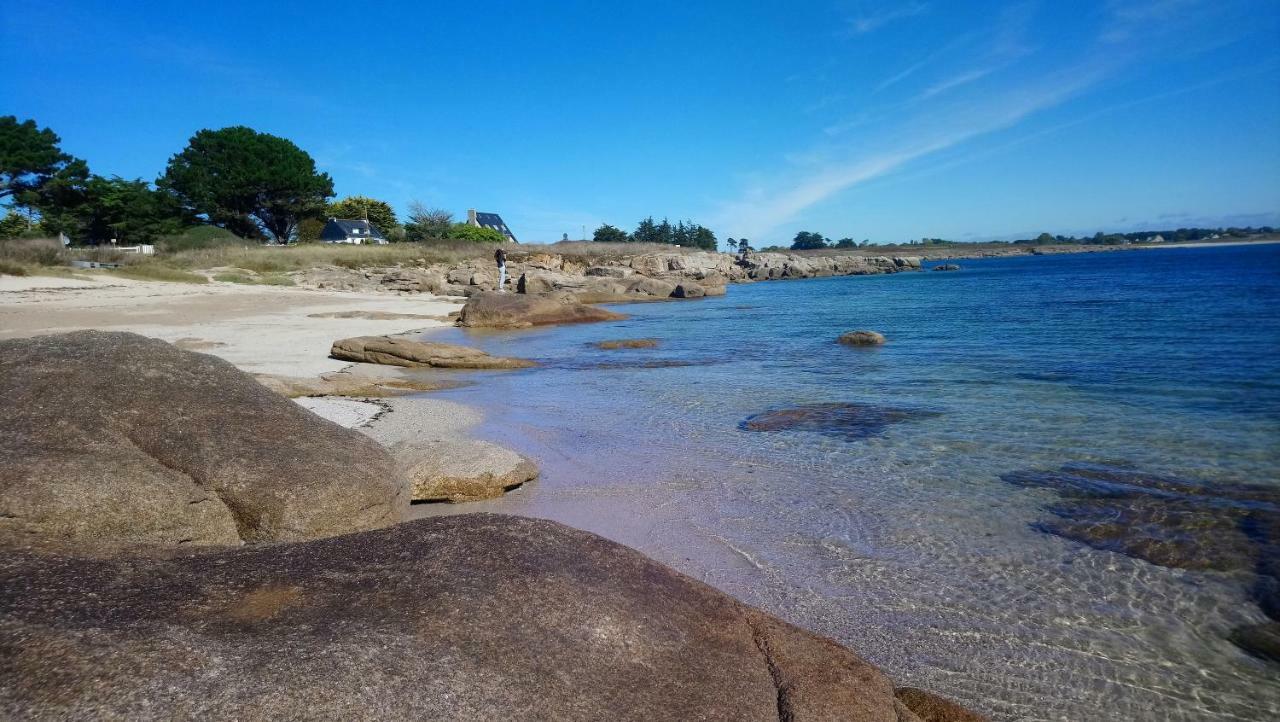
475 234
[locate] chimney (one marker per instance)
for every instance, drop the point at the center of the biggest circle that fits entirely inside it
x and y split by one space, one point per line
471 217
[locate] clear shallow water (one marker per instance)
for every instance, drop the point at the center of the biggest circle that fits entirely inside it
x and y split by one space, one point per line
906 545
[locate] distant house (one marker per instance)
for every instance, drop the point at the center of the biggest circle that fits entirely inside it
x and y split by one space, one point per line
339 230
490 220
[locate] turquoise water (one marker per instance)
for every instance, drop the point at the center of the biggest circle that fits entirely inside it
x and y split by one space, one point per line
904 542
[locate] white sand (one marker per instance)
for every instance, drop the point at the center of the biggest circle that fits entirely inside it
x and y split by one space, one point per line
348 413
260 329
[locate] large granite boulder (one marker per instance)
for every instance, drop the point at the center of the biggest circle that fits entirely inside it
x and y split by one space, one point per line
471 617
461 470
518 310
397 351
114 437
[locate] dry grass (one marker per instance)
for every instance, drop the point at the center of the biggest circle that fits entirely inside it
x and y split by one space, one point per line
156 271
270 279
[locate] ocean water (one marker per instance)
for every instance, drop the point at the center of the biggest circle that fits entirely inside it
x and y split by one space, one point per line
900 538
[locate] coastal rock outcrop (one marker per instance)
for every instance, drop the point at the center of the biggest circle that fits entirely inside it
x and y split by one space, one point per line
115 437
843 420
862 338
461 470
520 310
397 351
472 617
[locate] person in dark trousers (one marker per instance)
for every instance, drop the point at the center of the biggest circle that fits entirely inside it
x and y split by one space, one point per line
501 257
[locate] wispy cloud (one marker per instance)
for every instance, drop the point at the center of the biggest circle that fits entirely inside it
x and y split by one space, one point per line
879 17
956 81
891 137
762 210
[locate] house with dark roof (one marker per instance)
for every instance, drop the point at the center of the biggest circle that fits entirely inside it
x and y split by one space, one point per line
490 220
339 230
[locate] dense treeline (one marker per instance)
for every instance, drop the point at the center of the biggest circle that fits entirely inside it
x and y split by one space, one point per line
254 185
809 241
684 233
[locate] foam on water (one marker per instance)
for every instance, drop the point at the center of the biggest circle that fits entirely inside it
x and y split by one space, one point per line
906 544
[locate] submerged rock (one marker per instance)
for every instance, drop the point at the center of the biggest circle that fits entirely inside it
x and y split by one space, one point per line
862 338
115 437
462 470
627 343
934 708
517 310
845 420
398 351
1260 640
1171 522
472 617
947 267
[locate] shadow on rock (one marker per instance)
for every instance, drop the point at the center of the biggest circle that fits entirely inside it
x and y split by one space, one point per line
843 420
1174 523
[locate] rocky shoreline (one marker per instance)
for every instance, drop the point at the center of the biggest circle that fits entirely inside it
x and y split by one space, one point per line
649 276
181 541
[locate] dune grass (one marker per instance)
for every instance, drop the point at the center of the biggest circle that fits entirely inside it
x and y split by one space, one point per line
157 272
270 279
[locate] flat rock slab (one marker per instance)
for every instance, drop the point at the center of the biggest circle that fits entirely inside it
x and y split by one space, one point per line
115 437
471 617
461 469
397 351
522 310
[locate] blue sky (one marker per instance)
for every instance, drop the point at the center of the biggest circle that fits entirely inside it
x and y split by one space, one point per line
879 120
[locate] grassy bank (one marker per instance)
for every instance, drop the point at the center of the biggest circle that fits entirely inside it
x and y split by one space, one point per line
259 264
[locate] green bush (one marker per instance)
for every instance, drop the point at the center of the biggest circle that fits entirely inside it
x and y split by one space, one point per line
475 234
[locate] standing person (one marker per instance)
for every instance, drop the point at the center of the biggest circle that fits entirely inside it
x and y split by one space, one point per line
501 258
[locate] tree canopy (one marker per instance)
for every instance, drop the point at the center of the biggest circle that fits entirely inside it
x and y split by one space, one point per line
378 212
29 158
808 241
247 182
610 234
427 224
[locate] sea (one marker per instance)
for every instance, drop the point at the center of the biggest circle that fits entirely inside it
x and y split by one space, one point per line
880 508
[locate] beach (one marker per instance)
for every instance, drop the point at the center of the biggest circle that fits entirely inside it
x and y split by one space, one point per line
899 538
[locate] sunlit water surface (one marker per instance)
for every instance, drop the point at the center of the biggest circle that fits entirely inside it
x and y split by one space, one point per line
906 545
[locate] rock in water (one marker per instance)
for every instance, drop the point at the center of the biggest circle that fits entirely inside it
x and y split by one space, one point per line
115 437
862 338
407 352
1174 523
627 343
947 267
846 421
471 617
935 708
461 470
516 310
